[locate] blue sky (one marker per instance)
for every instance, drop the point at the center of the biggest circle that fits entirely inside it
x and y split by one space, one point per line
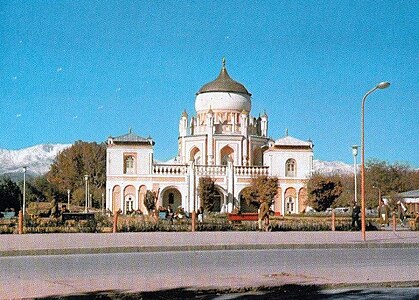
85 70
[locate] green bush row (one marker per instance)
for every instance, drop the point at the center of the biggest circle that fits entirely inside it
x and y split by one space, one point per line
150 224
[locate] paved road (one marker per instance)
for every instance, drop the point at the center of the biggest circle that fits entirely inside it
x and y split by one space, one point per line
131 246
37 276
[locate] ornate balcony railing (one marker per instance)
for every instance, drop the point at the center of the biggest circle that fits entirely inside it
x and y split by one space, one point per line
203 170
251 170
162 169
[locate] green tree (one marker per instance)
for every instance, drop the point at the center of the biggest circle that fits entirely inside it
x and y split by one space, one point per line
261 189
207 191
10 195
323 191
70 166
388 179
150 200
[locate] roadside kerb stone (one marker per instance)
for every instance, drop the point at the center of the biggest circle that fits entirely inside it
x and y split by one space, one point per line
90 243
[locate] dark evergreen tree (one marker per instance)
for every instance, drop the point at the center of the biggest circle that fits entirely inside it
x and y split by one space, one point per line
207 192
10 195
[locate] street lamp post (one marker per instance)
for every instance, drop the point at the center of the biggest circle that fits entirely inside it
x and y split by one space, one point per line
86 192
103 204
381 85
355 153
24 192
68 199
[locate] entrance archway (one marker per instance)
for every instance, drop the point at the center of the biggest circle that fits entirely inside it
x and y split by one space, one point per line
226 154
171 196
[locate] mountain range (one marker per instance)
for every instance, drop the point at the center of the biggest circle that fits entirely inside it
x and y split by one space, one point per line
39 158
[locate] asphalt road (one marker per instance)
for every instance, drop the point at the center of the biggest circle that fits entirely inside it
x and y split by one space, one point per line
40 276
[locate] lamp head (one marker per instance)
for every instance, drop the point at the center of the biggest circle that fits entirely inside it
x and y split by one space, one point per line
355 150
383 85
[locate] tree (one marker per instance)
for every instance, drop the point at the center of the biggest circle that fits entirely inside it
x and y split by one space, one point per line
388 179
70 166
261 189
323 191
207 192
150 200
10 195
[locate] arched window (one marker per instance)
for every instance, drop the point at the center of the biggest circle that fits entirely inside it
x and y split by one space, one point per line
129 164
227 154
196 156
290 168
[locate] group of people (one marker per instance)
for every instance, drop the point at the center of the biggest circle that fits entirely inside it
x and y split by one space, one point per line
383 214
180 213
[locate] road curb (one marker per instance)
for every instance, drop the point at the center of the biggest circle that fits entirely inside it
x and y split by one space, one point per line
144 249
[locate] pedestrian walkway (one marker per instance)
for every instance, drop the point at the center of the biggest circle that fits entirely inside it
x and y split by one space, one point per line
74 243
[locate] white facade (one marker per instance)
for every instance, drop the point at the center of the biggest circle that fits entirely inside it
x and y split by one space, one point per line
222 141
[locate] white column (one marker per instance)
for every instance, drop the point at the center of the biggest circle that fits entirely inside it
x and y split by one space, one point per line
283 201
122 199
230 185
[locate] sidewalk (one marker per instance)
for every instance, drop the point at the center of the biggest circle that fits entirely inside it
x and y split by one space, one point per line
78 243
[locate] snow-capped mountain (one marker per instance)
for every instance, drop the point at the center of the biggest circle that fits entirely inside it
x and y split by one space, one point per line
38 159
332 167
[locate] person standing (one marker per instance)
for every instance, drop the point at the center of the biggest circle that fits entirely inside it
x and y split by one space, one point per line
201 214
169 214
402 211
383 212
263 214
356 210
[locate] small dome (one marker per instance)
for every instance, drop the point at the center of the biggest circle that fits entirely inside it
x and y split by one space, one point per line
224 83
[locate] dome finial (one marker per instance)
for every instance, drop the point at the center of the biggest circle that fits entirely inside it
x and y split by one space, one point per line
224 62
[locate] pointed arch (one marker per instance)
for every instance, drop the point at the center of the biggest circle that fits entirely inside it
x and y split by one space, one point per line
195 155
226 154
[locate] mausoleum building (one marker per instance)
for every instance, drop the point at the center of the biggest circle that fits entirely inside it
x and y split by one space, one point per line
222 140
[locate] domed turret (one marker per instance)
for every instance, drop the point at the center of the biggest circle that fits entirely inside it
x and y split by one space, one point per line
223 94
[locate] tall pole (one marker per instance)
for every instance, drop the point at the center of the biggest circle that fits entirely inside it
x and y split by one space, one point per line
355 153
24 192
86 193
68 199
381 85
103 203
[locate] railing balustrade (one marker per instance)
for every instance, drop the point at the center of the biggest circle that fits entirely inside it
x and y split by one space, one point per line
164 169
251 170
204 170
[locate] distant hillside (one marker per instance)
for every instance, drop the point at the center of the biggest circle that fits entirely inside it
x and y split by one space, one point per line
38 159
332 167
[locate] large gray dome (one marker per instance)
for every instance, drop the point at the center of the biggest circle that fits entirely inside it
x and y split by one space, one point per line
223 83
